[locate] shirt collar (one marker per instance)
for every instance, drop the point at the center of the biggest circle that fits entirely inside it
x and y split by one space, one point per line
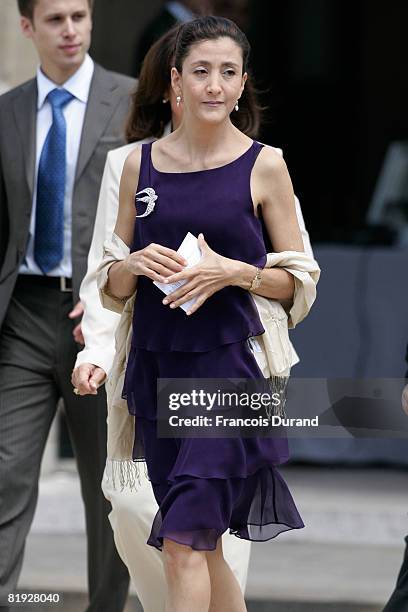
179 12
78 84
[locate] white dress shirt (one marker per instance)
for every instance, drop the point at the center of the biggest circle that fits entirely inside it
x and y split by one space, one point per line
98 323
74 112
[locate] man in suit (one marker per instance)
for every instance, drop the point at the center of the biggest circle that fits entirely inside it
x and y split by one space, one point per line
55 132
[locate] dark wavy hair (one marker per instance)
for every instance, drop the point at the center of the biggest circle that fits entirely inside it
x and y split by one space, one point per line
148 115
247 118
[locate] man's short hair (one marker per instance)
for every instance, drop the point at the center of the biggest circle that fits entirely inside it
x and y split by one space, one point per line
26 7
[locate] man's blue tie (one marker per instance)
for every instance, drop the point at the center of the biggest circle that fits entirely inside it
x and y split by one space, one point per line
49 216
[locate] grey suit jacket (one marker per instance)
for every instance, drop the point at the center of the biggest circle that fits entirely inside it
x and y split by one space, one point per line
103 129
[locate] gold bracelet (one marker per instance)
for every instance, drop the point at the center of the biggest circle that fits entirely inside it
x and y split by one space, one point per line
256 281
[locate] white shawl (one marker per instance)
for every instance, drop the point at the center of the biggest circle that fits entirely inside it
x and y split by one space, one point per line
276 357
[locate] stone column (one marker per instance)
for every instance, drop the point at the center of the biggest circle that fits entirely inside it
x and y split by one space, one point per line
18 56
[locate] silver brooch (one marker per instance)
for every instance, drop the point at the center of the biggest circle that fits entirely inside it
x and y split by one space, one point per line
150 199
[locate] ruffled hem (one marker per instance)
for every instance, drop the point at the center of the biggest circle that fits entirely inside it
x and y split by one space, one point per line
205 486
222 458
233 308
197 543
193 346
197 511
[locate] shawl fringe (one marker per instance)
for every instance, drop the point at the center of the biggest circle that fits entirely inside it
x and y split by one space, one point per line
125 474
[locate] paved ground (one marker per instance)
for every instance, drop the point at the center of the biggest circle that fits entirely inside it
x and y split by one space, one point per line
345 560
77 602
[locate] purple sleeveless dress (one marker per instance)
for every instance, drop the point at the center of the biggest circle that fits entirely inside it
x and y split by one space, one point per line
203 485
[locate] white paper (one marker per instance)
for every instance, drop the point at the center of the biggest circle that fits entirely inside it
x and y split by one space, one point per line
190 250
254 345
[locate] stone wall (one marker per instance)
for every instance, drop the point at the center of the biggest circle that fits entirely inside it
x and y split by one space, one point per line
18 57
116 28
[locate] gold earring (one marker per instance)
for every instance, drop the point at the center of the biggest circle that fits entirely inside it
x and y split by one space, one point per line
236 106
178 100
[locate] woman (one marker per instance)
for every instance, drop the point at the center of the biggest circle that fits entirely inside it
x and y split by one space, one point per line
204 488
153 112
206 177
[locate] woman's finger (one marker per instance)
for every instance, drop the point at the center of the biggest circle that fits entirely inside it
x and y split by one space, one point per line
97 379
83 374
170 253
159 268
143 267
181 291
152 274
168 263
198 303
186 274
188 295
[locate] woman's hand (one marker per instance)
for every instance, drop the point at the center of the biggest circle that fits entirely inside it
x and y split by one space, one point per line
214 272
155 261
87 377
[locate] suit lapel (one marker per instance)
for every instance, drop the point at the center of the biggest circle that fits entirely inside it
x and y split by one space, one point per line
98 111
25 113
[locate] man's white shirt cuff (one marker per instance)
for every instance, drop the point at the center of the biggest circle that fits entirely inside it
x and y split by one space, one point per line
99 356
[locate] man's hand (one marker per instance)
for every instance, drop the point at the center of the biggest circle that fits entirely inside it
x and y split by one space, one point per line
87 378
77 311
404 399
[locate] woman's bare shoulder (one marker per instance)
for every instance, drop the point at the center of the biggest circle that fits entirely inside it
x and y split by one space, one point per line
270 162
133 159
271 179
130 172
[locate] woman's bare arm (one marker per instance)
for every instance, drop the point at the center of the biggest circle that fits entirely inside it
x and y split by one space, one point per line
155 261
272 188
122 282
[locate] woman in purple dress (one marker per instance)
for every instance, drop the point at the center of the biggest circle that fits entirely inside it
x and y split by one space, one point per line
210 179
